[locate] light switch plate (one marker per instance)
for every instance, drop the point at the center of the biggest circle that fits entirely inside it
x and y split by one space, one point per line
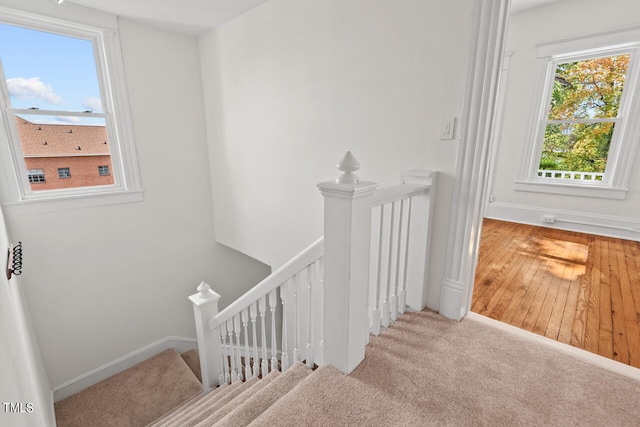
447 127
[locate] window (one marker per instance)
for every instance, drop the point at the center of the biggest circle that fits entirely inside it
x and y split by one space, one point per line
35 175
103 170
581 141
64 173
63 96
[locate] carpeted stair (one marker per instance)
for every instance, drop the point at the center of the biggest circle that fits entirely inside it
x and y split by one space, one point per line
134 397
423 370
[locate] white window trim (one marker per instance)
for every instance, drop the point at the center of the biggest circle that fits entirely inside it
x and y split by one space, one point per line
15 193
623 149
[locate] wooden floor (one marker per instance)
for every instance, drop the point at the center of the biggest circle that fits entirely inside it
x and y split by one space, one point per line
579 289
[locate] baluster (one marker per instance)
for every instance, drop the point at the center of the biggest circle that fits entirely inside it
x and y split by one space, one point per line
247 355
225 355
310 361
234 368
296 323
237 330
376 317
384 265
320 299
403 244
394 241
262 306
405 268
273 305
253 313
284 289
386 310
222 378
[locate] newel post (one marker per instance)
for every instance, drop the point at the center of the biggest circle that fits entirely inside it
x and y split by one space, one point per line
347 227
205 308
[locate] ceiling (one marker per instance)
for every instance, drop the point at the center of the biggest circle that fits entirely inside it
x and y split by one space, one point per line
192 17
195 17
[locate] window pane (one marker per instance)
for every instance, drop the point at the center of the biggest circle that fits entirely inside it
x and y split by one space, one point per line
49 71
580 147
50 145
588 89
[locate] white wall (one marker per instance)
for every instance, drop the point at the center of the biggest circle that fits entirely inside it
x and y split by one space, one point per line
103 282
24 379
561 20
292 85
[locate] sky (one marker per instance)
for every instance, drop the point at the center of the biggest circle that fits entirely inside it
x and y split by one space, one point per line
49 72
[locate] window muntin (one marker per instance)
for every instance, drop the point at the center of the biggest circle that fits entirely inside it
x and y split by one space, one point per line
103 170
583 111
614 182
124 186
35 175
52 89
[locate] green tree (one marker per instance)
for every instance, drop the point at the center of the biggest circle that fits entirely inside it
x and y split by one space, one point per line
585 94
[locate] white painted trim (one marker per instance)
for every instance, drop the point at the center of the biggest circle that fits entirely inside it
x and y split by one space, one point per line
566 188
102 31
75 385
485 59
585 356
602 225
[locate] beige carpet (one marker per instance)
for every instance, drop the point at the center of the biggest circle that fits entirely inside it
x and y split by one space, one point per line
133 397
427 370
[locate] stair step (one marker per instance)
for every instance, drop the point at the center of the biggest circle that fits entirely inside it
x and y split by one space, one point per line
195 417
255 405
328 397
224 410
204 402
133 397
192 359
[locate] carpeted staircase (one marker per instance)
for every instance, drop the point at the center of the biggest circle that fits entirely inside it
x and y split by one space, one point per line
423 370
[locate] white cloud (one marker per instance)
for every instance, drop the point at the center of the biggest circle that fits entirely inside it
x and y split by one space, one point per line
32 88
68 119
92 103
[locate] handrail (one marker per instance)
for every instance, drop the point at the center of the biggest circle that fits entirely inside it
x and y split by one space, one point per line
308 256
386 195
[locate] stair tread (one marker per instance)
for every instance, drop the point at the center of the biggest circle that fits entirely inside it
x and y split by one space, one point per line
251 408
204 411
328 397
133 397
205 401
221 412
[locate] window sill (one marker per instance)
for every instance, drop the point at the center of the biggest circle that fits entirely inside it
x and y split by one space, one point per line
572 190
52 204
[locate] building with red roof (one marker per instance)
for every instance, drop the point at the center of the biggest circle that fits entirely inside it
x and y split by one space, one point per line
65 156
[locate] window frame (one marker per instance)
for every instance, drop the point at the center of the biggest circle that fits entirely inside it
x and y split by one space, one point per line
624 143
15 191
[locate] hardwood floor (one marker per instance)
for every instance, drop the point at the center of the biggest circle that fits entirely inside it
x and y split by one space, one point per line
579 289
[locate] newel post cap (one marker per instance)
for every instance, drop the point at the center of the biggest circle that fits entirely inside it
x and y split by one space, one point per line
205 295
347 185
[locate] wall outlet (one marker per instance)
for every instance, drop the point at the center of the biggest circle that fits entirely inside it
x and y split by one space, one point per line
548 219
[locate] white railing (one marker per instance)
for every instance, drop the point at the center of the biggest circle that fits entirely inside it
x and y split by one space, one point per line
275 324
578 176
399 246
371 264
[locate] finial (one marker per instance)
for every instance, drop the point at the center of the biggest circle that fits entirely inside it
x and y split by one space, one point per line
204 288
348 165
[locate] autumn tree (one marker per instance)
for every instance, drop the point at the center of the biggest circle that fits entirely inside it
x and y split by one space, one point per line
585 98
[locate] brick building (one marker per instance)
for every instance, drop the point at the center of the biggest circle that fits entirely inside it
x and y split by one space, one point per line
65 156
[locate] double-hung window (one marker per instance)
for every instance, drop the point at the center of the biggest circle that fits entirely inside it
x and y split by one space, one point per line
581 137
63 101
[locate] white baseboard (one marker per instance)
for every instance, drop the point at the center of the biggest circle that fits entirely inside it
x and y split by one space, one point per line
451 294
75 385
602 225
